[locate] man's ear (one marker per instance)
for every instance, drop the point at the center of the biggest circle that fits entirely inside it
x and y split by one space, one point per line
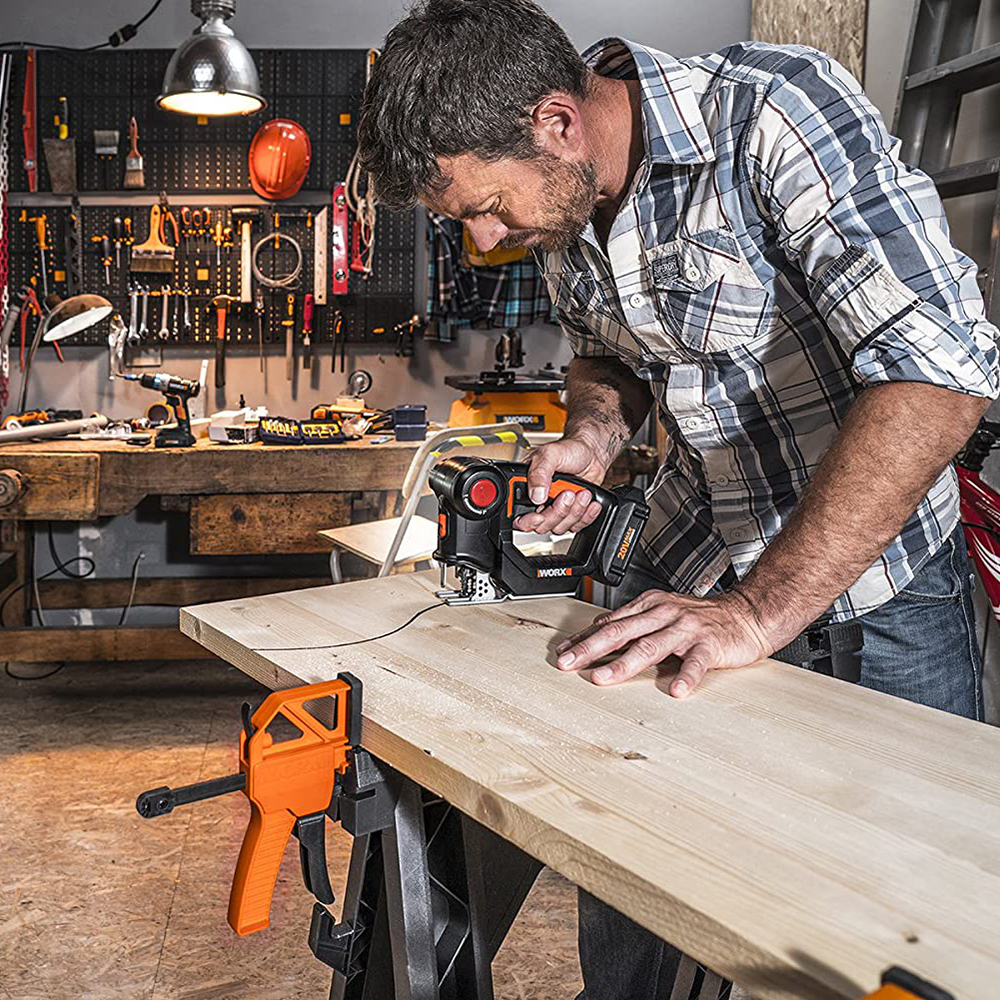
558 125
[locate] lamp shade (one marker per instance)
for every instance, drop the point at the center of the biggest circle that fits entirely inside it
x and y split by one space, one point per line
211 73
75 314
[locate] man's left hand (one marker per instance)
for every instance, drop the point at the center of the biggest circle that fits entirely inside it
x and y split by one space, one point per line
714 633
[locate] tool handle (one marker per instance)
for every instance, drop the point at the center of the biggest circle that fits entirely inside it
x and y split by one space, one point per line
133 135
62 119
40 231
220 348
257 869
307 314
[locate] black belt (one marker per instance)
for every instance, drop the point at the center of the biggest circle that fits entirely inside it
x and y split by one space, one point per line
831 648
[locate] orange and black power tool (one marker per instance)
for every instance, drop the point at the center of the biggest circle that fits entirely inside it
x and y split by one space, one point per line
478 501
293 785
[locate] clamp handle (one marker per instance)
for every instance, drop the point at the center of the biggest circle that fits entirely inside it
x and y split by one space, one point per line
290 785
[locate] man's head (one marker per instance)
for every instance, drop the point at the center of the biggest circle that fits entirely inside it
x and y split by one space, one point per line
476 108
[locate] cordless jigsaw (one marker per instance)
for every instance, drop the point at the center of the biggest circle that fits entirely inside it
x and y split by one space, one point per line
478 502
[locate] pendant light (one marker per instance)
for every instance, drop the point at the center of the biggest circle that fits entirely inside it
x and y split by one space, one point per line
211 73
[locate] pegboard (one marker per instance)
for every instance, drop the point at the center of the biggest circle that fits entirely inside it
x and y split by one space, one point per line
321 89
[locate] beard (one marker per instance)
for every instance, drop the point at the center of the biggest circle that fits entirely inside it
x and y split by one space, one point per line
569 192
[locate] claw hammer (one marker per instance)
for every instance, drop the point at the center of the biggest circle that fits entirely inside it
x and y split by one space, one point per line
221 303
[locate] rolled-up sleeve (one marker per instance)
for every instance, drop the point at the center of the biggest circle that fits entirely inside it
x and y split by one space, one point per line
868 233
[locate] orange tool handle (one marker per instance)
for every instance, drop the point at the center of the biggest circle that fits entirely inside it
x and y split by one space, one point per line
40 231
257 869
286 781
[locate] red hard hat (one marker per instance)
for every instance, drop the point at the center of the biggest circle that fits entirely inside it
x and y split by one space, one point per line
279 159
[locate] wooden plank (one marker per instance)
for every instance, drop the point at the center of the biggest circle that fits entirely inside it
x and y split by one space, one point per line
14 543
838 27
172 591
56 487
793 832
246 524
372 540
84 643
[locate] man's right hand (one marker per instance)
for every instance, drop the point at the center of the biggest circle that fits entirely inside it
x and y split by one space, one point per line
569 511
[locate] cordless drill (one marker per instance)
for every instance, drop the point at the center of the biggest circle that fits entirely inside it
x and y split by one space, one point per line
177 392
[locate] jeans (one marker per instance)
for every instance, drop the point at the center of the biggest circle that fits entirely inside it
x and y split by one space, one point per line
920 645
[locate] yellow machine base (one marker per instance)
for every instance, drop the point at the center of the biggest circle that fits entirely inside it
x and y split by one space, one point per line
534 411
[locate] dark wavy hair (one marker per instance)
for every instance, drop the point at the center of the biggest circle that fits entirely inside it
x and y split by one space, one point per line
460 76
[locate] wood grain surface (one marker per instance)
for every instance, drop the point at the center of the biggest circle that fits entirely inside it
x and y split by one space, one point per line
795 833
838 27
82 480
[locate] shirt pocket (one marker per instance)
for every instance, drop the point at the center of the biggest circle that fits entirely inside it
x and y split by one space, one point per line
707 293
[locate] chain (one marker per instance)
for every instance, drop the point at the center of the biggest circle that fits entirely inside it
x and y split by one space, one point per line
5 71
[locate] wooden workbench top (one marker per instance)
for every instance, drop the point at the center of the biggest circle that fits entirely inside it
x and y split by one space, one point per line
76 446
795 833
77 480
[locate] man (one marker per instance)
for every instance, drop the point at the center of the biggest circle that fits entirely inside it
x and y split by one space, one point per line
733 238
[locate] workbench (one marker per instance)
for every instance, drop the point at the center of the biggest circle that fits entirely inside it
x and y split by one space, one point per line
796 833
242 500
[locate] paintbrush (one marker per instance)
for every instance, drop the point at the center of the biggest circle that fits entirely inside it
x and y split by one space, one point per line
134 175
154 255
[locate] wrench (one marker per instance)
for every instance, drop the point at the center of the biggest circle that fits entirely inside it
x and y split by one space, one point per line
133 315
164 331
187 309
143 327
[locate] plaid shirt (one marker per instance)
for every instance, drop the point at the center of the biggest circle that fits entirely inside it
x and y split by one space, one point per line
771 259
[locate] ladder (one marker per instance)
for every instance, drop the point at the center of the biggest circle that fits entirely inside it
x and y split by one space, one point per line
941 68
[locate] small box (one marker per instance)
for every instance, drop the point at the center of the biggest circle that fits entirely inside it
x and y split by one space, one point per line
410 423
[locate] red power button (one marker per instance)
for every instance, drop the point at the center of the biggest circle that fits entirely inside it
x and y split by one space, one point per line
482 493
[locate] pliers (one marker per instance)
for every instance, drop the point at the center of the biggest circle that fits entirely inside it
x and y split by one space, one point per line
167 217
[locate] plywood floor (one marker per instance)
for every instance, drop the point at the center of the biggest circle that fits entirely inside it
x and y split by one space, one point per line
96 902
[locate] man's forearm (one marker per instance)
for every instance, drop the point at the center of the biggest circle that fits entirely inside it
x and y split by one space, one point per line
895 442
606 404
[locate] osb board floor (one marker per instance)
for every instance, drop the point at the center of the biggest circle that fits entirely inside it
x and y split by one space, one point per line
97 903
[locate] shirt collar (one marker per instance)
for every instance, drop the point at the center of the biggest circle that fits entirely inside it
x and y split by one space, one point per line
673 125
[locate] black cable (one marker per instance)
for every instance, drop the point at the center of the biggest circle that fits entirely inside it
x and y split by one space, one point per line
353 642
61 565
981 527
124 34
34 677
44 576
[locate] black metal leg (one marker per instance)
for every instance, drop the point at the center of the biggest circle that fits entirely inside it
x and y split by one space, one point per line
431 898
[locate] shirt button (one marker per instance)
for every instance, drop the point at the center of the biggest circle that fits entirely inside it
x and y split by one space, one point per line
692 273
720 481
738 534
692 423
674 359
637 301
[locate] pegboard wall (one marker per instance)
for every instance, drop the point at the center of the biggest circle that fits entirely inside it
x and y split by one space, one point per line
320 89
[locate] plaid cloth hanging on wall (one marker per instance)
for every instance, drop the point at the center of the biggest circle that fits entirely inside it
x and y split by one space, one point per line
509 295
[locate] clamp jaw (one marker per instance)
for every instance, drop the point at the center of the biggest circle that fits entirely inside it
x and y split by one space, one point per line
478 501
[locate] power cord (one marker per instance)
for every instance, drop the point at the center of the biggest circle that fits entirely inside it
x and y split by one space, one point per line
124 34
131 596
353 642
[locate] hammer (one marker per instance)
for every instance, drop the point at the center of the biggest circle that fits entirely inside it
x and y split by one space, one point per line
221 303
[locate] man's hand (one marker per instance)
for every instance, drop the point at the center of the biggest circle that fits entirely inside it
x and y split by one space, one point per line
568 511
714 633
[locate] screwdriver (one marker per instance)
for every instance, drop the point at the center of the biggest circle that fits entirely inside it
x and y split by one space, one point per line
119 232
218 246
40 233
